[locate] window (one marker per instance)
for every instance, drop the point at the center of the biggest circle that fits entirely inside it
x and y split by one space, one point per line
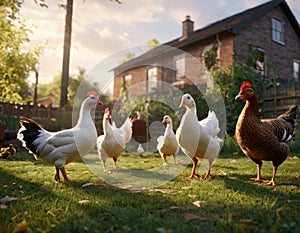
277 30
127 81
152 80
125 85
179 68
260 62
257 57
296 68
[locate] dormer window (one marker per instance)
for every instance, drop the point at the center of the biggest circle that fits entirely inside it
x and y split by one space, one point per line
277 31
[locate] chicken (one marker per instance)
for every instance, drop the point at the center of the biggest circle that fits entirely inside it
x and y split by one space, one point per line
7 152
198 139
113 141
167 144
140 150
268 139
62 147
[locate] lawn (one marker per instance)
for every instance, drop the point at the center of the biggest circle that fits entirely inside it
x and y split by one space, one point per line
227 203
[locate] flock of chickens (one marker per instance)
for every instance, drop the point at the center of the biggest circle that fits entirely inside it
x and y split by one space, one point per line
197 139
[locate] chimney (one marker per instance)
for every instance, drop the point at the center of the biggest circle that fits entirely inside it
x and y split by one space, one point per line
187 27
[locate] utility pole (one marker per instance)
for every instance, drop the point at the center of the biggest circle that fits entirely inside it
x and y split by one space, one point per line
36 70
66 55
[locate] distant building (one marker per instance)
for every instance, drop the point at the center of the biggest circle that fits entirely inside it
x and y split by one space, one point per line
48 101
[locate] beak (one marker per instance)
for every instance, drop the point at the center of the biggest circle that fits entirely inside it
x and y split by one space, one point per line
239 96
182 104
99 102
163 121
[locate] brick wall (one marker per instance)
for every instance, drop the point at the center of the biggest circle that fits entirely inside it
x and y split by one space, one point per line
279 56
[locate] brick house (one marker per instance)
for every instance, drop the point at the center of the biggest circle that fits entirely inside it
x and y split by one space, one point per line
269 33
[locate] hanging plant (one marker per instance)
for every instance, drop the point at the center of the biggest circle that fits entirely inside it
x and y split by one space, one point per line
211 57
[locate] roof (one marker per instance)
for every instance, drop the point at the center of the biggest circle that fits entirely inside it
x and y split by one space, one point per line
232 24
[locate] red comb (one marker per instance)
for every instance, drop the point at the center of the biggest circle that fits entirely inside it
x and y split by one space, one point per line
245 85
92 93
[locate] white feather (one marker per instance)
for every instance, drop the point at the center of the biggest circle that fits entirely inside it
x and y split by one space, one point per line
113 141
198 139
62 147
167 144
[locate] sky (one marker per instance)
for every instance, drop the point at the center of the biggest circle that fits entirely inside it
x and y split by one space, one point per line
102 29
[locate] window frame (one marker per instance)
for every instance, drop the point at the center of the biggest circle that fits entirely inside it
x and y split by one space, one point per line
126 80
179 73
153 80
277 32
296 74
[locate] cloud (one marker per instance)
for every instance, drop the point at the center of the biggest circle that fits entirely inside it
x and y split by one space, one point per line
100 28
128 13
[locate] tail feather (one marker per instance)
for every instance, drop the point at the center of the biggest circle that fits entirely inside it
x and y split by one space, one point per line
291 116
28 133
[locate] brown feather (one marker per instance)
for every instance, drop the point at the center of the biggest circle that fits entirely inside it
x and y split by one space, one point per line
267 139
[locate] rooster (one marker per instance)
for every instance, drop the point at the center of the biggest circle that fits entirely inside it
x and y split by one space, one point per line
268 139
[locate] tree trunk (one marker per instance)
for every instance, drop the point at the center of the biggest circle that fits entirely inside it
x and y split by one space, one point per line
66 55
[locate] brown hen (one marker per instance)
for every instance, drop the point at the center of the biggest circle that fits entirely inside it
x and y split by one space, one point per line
268 139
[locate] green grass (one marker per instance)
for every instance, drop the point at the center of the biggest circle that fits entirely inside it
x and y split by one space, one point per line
230 203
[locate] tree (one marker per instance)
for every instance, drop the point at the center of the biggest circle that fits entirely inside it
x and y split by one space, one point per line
16 60
153 43
78 86
229 81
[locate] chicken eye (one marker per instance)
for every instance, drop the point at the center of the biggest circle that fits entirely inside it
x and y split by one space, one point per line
188 97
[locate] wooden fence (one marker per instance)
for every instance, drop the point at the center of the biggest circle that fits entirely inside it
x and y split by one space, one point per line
50 118
277 100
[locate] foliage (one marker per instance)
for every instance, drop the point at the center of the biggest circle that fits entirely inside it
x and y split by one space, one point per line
78 87
211 57
16 60
229 81
157 106
228 203
153 43
129 56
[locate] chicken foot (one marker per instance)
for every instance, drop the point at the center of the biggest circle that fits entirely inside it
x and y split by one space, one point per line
116 167
258 178
272 181
207 176
193 174
63 172
165 159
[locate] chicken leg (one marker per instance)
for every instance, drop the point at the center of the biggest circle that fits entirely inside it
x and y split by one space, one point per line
272 181
258 178
207 176
63 171
193 174
116 166
66 179
165 159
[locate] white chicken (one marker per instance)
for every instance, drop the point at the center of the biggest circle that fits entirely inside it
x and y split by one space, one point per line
167 144
140 150
62 147
113 141
198 139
